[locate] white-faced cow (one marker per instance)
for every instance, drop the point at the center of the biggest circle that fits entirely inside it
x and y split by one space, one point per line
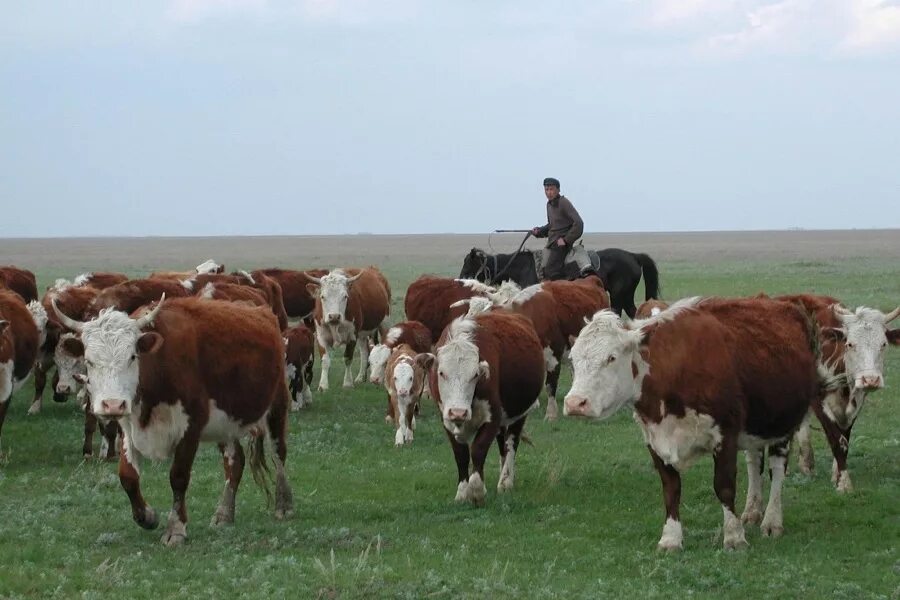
299 342
207 267
406 332
18 347
404 379
187 371
100 280
351 305
731 374
485 375
430 300
853 346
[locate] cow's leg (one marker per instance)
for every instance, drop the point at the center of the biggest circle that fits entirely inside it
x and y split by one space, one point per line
724 482
508 470
410 420
349 348
40 382
179 479
398 411
480 447
390 416
672 536
90 426
306 382
363 344
58 396
6 390
806 459
277 422
753 506
233 463
110 431
130 478
325 353
461 454
553 361
773 522
839 441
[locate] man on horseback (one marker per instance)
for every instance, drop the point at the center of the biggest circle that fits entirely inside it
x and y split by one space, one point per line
564 227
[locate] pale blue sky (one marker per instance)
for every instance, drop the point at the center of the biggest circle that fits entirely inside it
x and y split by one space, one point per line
226 117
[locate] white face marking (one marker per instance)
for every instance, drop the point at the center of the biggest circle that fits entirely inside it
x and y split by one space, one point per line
378 359
601 359
110 356
459 368
67 366
334 292
404 376
392 336
655 311
864 348
679 441
207 266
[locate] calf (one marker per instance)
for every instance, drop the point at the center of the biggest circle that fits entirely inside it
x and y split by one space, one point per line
299 343
19 281
413 333
853 345
733 374
18 347
486 375
404 379
351 305
206 371
431 300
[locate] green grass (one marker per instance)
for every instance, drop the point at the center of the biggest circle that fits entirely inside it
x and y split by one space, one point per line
375 521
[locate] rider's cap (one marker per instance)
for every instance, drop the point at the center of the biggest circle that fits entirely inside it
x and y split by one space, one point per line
551 181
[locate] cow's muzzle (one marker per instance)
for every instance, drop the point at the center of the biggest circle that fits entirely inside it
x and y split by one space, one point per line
576 406
870 382
112 408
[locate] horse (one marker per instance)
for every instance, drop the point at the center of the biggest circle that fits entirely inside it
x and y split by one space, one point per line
619 270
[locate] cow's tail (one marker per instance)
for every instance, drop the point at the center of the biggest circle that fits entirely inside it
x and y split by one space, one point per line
651 276
258 467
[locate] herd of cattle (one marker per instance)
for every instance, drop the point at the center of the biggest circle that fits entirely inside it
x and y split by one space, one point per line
176 358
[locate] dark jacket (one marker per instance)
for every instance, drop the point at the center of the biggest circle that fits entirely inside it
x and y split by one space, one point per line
563 221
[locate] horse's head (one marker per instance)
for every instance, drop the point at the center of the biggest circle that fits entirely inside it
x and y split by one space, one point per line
475 265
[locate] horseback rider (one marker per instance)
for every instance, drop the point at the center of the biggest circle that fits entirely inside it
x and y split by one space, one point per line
564 227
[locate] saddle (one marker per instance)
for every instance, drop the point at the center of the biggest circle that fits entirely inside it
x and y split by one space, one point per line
578 259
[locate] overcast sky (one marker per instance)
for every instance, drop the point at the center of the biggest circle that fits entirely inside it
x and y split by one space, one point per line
226 117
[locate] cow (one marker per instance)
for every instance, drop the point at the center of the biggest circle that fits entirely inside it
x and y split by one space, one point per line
486 374
351 305
207 267
100 280
299 342
705 377
650 308
19 281
404 379
256 280
558 310
413 333
189 370
233 292
853 345
430 300
298 301
18 347
134 293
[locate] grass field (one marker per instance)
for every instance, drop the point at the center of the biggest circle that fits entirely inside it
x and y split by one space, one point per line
375 521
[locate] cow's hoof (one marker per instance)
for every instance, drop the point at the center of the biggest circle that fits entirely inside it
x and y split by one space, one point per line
462 492
282 514
751 516
34 409
736 543
668 546
774 530
149 520
223 516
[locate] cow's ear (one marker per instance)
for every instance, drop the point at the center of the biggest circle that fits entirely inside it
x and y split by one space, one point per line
484 370
313 289
425 360
645 333
149 343
3 325
893 336
834 334
73 346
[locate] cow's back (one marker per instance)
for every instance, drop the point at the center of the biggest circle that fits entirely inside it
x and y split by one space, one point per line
20 281
230 353
370 298
576 300
428 301
24 332
131 295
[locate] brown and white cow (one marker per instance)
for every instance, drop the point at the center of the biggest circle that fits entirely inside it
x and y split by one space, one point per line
298 301
732 374
404 379
187 371
413 333
430 300
100 280
18 347
853 345
650 308
486 375
351 305
207 267
257 280
134 293
19 281
299 342
233 292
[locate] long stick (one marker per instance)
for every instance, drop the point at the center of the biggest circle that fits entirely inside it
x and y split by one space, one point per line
512 231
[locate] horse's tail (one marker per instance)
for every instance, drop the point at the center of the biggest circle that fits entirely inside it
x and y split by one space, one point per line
651 276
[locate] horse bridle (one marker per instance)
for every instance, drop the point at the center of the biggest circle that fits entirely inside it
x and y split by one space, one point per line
484 268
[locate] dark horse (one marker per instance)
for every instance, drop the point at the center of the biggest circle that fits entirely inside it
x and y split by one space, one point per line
619 270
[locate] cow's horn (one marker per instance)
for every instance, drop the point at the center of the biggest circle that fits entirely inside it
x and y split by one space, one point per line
65 319
147 319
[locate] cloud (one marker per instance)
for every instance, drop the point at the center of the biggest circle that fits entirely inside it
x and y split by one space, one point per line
875 24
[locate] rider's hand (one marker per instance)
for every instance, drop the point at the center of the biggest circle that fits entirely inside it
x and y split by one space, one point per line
535 231
561 243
